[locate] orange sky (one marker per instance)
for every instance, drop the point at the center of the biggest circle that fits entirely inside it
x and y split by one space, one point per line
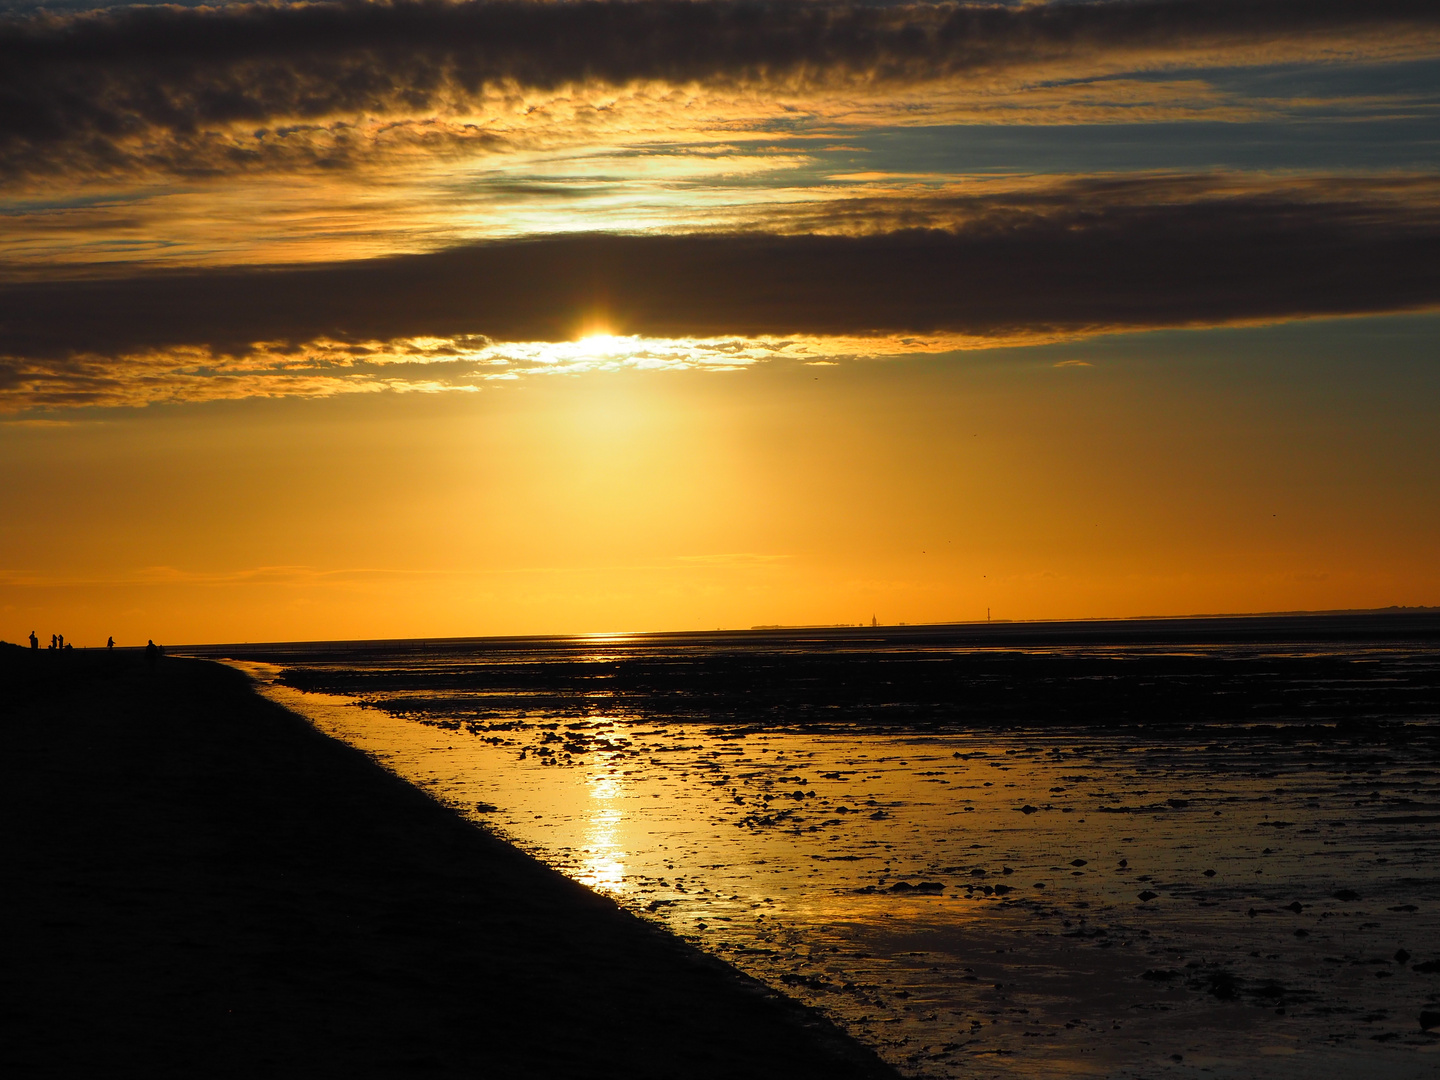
1177 473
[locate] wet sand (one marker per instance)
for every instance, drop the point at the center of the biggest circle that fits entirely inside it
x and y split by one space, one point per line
200 884
1021 903
1206 849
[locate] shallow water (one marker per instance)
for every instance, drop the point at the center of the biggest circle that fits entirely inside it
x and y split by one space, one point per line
1045 901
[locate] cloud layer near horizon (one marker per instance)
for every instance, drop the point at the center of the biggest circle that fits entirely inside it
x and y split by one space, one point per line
205 91
1081 257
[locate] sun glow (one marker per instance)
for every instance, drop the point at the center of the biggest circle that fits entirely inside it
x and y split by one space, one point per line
604 343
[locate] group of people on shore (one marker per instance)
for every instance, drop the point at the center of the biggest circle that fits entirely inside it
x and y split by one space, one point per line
57 641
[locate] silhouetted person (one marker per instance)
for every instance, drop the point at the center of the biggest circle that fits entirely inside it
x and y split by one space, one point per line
61 640
152 653
110 643
34 641
52 641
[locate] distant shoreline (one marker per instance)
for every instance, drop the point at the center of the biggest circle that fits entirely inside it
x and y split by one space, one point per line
1391 622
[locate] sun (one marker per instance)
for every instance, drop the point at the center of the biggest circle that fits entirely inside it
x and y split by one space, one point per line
602 342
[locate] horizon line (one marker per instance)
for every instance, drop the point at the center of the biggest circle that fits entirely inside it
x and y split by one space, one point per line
967 624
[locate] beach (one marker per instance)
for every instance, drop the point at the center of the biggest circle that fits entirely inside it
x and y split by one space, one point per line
1135 849
201 884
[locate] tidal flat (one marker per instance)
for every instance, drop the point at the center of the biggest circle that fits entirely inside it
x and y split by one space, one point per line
1200 849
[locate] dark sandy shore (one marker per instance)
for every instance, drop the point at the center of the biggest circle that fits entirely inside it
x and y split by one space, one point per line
196 883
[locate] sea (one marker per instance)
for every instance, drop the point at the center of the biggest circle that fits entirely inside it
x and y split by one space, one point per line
1149 848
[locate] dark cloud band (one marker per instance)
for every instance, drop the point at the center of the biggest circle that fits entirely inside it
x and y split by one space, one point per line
96 88
1078 264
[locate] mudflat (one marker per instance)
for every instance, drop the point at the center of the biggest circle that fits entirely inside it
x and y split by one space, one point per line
200 884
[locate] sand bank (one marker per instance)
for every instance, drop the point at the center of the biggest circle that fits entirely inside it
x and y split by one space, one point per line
200 884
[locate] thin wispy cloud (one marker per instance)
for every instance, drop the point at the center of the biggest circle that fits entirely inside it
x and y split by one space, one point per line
292 219
326 368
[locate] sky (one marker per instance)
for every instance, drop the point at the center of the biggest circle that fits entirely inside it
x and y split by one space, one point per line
426 319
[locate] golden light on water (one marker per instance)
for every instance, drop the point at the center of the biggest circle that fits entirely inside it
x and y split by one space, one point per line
603 863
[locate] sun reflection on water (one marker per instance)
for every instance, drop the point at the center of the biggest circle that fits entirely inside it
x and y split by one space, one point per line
603 865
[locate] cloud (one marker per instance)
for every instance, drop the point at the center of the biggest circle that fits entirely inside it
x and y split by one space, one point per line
326 368
1011 204
198 91
1037 263
424 207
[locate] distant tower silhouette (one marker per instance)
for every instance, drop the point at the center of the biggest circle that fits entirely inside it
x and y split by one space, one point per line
873 622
